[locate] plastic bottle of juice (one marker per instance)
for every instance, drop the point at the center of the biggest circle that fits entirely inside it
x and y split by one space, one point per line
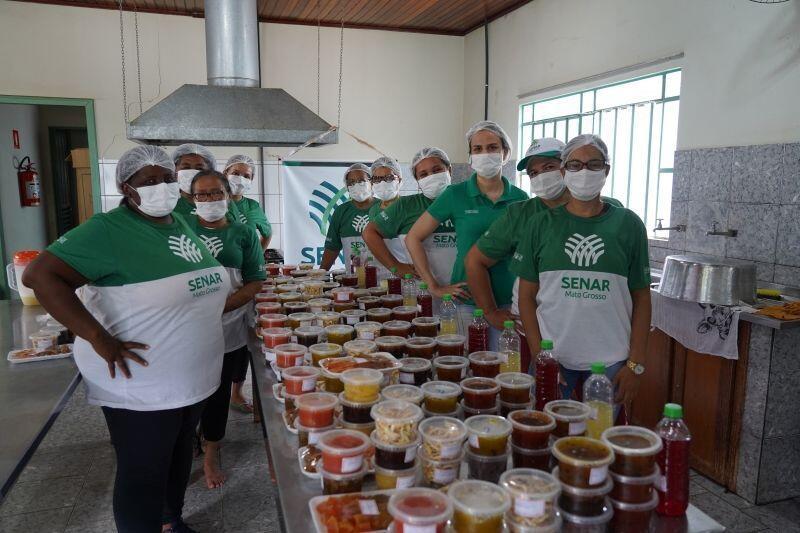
598 394
424 301
673 459
370 273
448 316
546 375
393 283
478 333
409 290
509 346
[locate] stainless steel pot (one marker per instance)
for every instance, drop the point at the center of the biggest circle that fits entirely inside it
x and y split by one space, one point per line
711 280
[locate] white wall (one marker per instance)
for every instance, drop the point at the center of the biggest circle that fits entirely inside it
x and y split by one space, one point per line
741 71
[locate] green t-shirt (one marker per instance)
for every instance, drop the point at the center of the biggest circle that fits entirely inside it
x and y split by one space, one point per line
156 284
251 214
184 207
586 269
471 213
345 227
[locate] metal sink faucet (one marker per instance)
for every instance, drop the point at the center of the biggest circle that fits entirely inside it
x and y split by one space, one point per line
726 233
677 227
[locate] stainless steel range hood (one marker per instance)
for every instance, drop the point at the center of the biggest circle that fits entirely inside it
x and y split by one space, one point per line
232 109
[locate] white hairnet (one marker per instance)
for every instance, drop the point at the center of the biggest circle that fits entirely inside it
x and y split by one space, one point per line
139 157
240 158
197 149
586 139
356 166
386 162
425 153
491 126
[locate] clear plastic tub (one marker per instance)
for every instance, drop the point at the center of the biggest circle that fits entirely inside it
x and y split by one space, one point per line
583 502
506 408
452 368
478 506
485 468
343 294
450 344
583 462
515 387
368 302
333 483
533 496
399 328
359 347
285 297
309 335
420 510
361 384
309 436
300 319
369 330
426 326
480 393
408 393
415 371
339 333
312 288
365 429
320 305
315 409
272 320
404 312
343 451
356 412
469 412
393 344
333 378
531 429
379 314
488 434
393 456
396 421
291 308
570 417
574 523
289 355
286 270
42 341
423 347
269 308
300 379
538 459
273 337
634 489
485 364
353 316
386 478
438 473
328 318
429 414
633 517
635 449
339 307
442 437
515 527
390 301
265 297
441 397
324 350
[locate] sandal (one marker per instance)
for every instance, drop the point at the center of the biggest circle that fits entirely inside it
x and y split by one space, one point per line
243 407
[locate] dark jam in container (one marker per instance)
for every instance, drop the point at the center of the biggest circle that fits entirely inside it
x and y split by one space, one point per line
480 393
415 371
538 459
531 429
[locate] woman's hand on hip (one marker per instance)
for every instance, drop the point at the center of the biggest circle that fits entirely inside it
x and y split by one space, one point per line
115 353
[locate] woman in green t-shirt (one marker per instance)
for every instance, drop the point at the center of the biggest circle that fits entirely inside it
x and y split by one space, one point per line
189 159
239 170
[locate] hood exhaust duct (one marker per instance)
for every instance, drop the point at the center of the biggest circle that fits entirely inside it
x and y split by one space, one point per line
232 110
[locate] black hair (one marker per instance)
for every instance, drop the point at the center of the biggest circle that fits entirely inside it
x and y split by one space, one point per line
219 175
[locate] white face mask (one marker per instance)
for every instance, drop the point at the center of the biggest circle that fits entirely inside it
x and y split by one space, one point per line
548 185
360 192
212 211
185 179
585 184
487 165
238 184
433 185
158 200
386 190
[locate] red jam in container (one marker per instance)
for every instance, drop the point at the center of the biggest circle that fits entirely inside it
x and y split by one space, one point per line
300 379
480 393
289 354
273 337
515 387
633 517
570 417
404 312
450 344
426 326
485 364
451 368
531 429
379 314
264 297
419 510
583 462
316 409
272 320
424 347
390 301
630 489
343 450
267 308
399 328
635 449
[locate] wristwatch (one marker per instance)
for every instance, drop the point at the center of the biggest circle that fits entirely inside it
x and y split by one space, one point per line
636 368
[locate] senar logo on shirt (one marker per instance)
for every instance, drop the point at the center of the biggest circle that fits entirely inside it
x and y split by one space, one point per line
584 251
185 248
360 222
205 284
214 244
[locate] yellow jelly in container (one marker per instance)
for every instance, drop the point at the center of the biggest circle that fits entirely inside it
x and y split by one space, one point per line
488 434
361 384
441 397
478 506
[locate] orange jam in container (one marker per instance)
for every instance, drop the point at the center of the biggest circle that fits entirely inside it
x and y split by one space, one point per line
272 320
451 368
343 451
379 314
392 344
424 347
450 344
315 409
300 379
635 449
515 387
570 417
289 355
531 429
419 510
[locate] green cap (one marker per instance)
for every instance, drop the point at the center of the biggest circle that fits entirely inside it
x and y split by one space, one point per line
370 258
546 344
673 410
598 368
408 276
477 312
394 270
423 285
447 297
508 324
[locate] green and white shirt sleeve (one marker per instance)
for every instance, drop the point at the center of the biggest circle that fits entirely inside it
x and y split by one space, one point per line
158 285
251 214
586 269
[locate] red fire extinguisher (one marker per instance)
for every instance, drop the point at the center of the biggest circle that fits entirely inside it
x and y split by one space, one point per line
30 188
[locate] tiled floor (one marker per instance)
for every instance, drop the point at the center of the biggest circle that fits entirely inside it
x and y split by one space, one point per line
67 486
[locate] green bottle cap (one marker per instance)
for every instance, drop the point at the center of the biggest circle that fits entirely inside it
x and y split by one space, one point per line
477 313
394 270
423 285
370 258
508 324
447 298
598 368
673 410
408 276
546 344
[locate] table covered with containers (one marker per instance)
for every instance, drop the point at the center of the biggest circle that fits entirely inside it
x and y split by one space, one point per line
381 416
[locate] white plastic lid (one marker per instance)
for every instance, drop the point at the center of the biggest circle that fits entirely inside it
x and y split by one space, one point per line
414 364
530 484
392 340
421 342
420 507
397 324
548 425
396 412
567 410
296 373
467 385
488 426
302 316
580 444
451 361
291 348
478 498
440 389
485 358
326 348
346 442
408 393
361 377
442 429
309 330
514 380
632 440
340 329
276 332
359 347
316 401
451 339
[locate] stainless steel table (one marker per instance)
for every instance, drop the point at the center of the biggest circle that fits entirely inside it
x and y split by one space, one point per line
31 394
295 489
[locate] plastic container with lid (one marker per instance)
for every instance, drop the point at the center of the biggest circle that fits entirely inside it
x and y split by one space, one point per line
480 393
273 337
452 368
365 429
327 318
515 527
333 483
415 371
320 305
340 307
485 364
488 434
428 414
396 421
309 335
387 478
272 320
485 467
635 449
309 436
266 297
424 347
442 437
531 429
634 489
361 384
379 314
300 379
394 456
583 462
339 333
369 330
570 417
575 523
324 350
533 496
393 344
289 355
283 278
315 409
537 458
353 316
408 393
450 344
43 340
478 506
343 451
583 501
441 397
426 326
356 412
359 347
368 302
286 297
633 517
437 473
378 291
286 270
390 301
469 412
420 510
399 328
268 308
300 319
342 294
312 287
506 408
406 313
515 387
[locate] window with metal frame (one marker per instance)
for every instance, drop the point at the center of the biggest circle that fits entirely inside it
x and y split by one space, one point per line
638 120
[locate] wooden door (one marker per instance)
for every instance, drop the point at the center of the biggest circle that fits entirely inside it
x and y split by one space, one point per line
656 382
